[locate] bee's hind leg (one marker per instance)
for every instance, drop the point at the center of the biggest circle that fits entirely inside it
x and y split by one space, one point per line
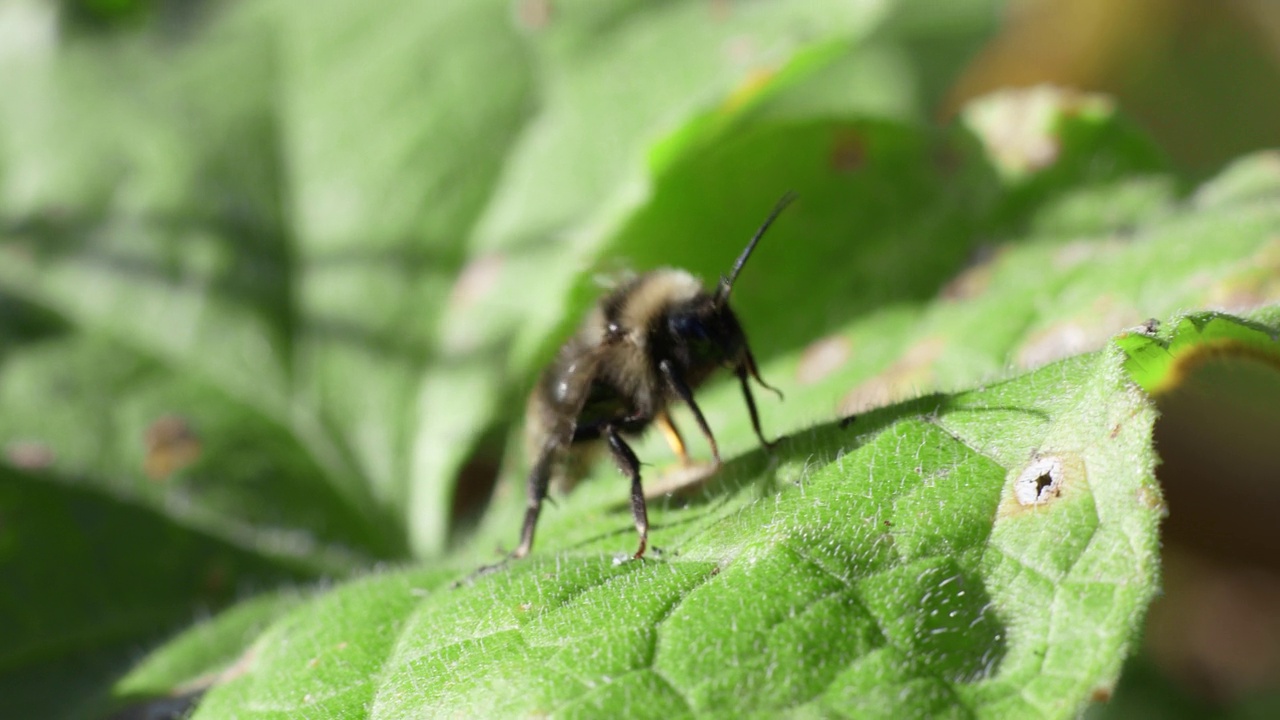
629 464
539 478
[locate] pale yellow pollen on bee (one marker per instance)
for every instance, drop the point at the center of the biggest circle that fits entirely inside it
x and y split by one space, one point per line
672 436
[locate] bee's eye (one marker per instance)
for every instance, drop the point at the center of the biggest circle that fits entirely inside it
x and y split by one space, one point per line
688 326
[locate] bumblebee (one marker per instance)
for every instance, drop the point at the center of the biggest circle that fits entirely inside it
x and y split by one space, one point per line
649 343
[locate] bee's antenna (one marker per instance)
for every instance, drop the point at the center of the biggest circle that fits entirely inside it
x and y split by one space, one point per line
726 283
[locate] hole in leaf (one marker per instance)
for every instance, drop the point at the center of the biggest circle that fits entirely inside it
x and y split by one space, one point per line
1039 482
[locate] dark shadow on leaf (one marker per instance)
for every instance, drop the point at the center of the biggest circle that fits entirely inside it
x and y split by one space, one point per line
757 469
103 578
259 271
22 323
170 707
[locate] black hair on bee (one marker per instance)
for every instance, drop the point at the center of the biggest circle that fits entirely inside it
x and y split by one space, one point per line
647 344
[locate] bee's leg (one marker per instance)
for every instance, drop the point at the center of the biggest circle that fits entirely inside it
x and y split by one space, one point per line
629 464
750 363
539 477
751 407
682 391
672 436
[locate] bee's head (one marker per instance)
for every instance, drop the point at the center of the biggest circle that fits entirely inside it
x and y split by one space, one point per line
706 333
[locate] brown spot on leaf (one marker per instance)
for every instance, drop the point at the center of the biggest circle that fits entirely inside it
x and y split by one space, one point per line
1152 499
822 358
29 454
201 683
18 252
171 445
477 279
533 14
907 375
217 579
848 152
1254 282
1101 694
974 279
1085 332
948 158
1072 254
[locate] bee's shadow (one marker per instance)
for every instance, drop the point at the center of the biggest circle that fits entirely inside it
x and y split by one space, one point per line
758 470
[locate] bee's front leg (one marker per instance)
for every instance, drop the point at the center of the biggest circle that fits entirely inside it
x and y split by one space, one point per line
751 409
681 389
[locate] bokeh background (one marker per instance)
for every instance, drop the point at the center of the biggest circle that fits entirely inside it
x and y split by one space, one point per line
273 276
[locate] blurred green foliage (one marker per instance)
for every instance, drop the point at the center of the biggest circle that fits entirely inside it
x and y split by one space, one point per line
274 278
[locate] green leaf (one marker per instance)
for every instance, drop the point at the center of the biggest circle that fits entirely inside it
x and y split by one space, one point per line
990 550
126 424
208 652
89 578
392 153
903 529
882 567
592 140
889 247
333 646
184 262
